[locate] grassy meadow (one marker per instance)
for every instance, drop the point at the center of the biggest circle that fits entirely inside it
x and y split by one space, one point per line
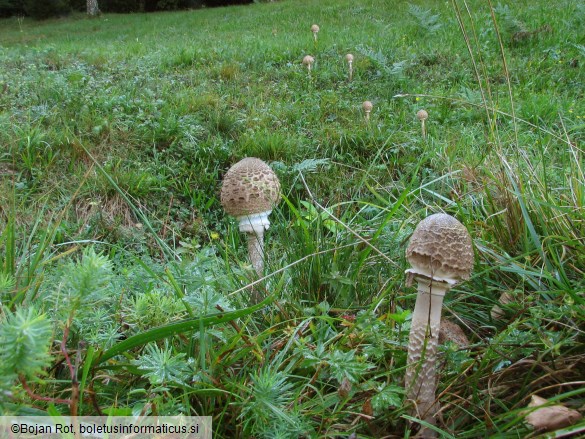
125 288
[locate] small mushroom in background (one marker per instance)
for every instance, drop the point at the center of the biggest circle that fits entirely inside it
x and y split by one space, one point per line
422 115
315 30
349 59
367 106
249 192
441 254
308 61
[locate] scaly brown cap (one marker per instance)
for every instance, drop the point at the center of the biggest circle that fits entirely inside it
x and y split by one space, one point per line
441 248
422 115
249 187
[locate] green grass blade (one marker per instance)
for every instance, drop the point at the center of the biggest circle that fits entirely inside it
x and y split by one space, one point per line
178 328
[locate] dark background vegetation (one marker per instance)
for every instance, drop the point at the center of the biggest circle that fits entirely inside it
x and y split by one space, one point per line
41 9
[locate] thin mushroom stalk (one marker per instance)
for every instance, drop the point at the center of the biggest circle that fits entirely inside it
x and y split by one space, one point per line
254 226
422 115
256 251
349 58
422 348
441 254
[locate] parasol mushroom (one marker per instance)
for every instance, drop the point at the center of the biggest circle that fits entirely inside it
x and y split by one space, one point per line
308 61
422 115
249 192
315 30
367 106
441 254
349 59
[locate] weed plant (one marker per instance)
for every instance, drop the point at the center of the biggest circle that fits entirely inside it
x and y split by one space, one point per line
124 289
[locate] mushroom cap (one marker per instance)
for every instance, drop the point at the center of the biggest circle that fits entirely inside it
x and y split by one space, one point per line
308 60
452 332
422 115
440 248
349 57
367 106
315 28
249 187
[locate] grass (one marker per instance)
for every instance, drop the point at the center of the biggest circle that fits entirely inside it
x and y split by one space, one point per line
115 134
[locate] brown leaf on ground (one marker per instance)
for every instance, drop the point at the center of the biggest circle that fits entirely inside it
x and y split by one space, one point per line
552 417
367 408
497 312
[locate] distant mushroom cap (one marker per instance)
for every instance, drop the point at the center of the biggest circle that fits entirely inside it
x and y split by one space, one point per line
349 57
308 60
367 106
315 28
452 332
440 248
249 187
422 115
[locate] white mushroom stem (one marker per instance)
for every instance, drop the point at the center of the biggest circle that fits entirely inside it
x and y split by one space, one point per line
256 251
424 130
254 226
350 70
420 378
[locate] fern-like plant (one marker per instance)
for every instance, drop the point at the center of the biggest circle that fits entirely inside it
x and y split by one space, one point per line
267 406
25 338
162 367
509 23
85 282
428 22
396 68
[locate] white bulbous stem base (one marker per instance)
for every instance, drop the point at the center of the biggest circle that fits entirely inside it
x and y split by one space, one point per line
420 378
254 227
